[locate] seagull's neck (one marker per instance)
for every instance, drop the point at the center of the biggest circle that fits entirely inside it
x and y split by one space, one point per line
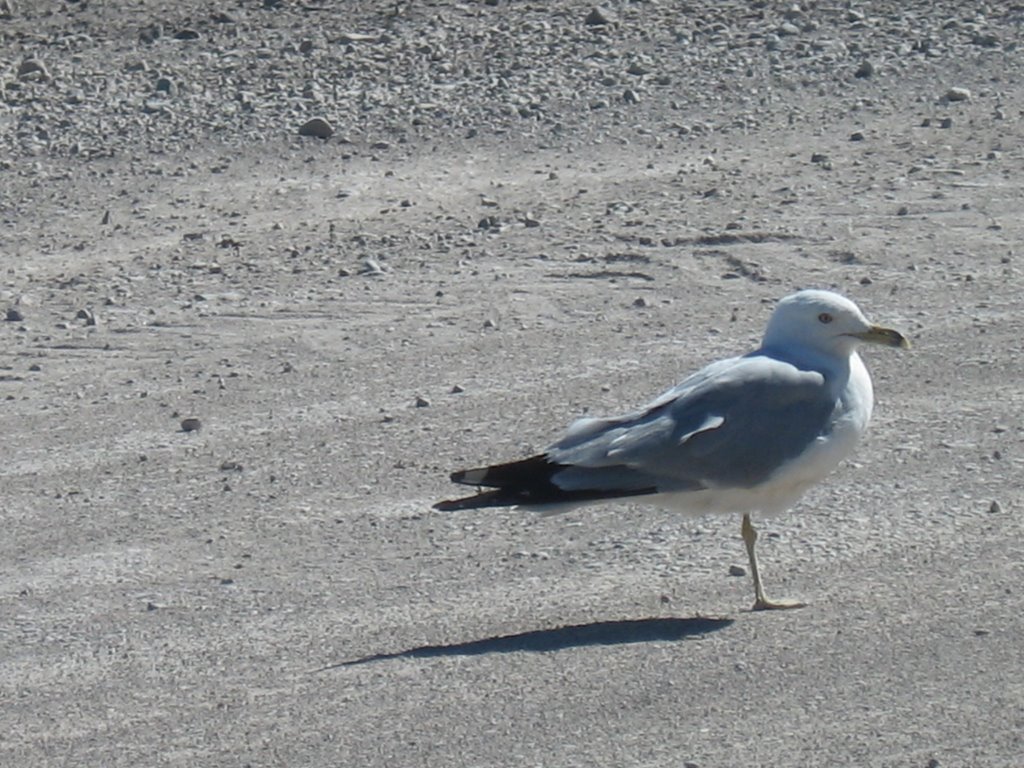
834 366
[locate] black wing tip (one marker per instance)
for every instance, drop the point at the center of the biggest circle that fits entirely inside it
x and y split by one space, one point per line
509 474
527 483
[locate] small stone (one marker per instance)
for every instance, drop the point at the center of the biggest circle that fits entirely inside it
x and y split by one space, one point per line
819 158
347 38
956 93
737 570
186 34
458 389
866 69
857 136
640 301
422 402
191 425
32 69
154 106
86 314
947 122
14 315
599 17
166 85
902 211
995 507
317 128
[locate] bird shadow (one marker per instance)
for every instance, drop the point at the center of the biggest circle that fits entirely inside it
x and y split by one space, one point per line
623 632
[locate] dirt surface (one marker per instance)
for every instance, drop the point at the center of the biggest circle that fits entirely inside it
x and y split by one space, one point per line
525 212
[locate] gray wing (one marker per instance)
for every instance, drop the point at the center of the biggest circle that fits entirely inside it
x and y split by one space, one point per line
730 425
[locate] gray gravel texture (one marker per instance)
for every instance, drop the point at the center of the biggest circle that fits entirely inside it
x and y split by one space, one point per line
239 363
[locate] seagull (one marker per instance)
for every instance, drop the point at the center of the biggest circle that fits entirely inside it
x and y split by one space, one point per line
742 435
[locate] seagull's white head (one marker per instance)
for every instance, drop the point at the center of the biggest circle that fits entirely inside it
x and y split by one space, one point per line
826 322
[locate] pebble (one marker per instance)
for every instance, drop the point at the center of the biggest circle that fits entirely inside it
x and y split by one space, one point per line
191 424
422 402
32 69
14 315
857 136
166 85
995 507
599 17
866 69
347 38
737 570
317 128
956 93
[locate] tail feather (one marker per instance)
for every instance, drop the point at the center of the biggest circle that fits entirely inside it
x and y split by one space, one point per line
528 482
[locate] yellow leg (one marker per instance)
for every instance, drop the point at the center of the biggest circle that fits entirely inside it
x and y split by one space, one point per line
761 603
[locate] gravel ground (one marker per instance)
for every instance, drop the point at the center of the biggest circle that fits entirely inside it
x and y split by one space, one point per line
243 350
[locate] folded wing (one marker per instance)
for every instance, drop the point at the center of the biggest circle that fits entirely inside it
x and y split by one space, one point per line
733 424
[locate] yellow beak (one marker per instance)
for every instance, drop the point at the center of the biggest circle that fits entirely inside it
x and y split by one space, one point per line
888 337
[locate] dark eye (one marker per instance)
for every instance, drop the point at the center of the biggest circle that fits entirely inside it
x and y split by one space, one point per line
825 317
